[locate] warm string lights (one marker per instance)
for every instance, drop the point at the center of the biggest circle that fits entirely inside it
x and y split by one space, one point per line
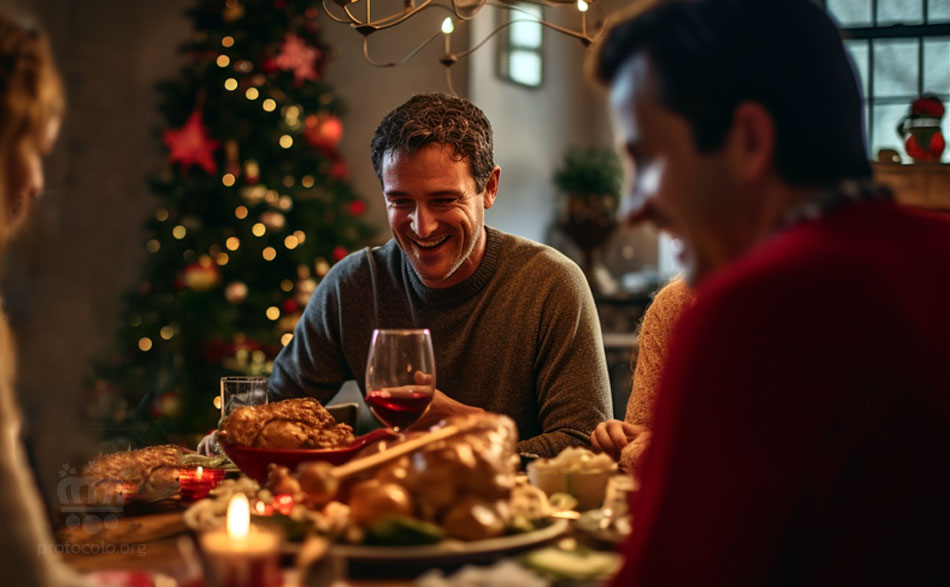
321 130
463 11
201 274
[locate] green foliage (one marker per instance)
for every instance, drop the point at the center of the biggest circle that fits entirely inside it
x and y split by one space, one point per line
589 171
181 305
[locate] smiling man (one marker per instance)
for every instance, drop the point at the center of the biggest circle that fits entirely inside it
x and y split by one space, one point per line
801 424
513 322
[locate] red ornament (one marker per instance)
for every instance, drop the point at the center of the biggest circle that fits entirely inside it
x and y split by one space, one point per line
339 170
357 207
289 306
201 276
323 132
338 253
190 145
297 56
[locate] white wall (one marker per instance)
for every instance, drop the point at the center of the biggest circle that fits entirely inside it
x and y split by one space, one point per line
533 127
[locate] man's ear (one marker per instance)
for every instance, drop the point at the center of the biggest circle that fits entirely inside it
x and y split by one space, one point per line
491 187
750 143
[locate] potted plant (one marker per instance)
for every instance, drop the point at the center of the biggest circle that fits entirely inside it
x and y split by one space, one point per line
589 180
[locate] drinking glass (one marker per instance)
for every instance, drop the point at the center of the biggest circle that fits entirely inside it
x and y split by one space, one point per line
400 375
238 391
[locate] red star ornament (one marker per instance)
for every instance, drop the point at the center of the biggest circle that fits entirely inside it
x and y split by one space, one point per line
296 56
191 145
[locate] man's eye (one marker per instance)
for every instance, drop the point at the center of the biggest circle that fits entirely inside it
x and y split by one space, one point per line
444 201
399 202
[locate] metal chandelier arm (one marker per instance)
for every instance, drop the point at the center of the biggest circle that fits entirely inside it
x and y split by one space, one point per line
408 56
461 13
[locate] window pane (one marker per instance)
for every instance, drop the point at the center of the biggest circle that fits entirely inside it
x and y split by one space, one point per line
937 66
524 67
859 53
904 11
938 11
895 68
851 12
886 118
525 34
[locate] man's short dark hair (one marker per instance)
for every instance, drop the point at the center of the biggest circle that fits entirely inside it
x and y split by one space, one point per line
710 55
442 119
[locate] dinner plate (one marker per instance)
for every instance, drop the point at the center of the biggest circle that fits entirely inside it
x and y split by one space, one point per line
253 461
449 550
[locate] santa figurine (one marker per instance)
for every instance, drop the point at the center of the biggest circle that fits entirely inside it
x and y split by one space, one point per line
920 129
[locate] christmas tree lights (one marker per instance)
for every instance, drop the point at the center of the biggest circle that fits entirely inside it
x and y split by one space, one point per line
253 209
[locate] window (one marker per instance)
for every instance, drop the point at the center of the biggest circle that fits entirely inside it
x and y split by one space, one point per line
519 55
902 50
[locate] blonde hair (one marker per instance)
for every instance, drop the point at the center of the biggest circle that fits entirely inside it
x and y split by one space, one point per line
31 96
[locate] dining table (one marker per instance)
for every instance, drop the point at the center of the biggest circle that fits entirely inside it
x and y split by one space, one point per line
152 545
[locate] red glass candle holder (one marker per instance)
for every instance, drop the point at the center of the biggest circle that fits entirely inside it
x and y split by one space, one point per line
196 483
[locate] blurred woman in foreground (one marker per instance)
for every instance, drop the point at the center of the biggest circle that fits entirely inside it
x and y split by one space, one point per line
31 106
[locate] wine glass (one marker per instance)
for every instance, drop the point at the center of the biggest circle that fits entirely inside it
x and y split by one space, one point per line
400 375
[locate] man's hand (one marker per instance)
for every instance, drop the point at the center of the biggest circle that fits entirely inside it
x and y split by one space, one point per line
441 407
208 444
613 435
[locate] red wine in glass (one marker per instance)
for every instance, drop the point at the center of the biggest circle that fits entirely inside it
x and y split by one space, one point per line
400 375
398 408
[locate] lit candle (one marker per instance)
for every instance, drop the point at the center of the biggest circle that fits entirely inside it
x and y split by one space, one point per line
243 554
447 27
196 483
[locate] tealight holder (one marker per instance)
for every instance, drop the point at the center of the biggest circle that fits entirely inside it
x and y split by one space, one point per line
197 483
242 554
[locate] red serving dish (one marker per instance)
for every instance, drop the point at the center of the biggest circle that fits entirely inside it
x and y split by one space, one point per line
253 461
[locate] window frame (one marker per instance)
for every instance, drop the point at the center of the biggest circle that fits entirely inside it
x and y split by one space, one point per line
506 17
876 32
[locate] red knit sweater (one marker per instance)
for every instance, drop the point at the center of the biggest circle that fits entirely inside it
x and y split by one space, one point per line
803 426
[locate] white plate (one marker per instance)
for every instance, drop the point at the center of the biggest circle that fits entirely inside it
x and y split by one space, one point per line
449 549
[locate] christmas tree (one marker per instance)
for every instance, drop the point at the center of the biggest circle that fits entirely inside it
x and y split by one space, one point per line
254 208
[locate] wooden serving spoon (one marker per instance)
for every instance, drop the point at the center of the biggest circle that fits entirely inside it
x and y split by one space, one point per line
321 480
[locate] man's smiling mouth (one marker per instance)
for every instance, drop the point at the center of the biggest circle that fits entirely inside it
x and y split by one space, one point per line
429 244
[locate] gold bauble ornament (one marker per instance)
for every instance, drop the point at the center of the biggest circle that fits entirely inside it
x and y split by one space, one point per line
233 11
305 289
254 194
273 220
236 292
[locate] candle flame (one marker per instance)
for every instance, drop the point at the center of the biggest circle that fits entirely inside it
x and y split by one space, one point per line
239 517
582 6
200 472
259 507
448 26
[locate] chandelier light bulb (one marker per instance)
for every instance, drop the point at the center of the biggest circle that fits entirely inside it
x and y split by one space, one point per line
582 5
448 26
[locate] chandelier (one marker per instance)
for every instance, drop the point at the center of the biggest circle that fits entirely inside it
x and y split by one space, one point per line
366 23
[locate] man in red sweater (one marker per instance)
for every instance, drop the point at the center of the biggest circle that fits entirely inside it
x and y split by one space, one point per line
803 423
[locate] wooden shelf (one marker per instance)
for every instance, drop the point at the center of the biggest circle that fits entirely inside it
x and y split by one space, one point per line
919 184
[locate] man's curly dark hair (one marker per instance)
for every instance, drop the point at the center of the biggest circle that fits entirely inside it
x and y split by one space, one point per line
437 118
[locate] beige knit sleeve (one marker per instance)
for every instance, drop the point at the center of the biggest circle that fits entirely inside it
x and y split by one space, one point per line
29 550
655 331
